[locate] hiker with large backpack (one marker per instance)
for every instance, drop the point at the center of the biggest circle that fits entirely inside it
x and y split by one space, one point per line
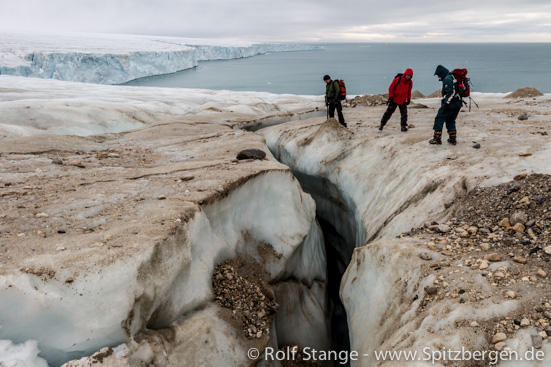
333 97
450 106
399 95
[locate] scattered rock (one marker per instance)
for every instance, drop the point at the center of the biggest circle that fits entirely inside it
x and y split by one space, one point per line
547 250
521 176
369 100
76 163
431 290
519 228
483 265
443 228
425 256
240 286
541 273
517 217
251 154
537 341
499 346
525 322
524 200
161 197
505 223
511 294
524 154
520 260
494 257
499 337
523 116
476 146
524 93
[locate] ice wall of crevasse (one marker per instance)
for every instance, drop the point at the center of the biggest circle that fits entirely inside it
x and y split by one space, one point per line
64 299
80 58
383 185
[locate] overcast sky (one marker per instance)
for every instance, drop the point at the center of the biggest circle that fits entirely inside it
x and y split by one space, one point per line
291 20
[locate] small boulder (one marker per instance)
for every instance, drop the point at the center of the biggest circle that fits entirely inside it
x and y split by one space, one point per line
499 337
518 217
251 154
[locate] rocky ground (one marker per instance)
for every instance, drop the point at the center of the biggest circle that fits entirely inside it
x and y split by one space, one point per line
497 245
240 286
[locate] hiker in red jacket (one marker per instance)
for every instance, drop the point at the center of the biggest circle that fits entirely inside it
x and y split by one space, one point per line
399 95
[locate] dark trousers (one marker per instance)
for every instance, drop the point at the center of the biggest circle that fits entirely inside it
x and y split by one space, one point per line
446 116
390 110
331 111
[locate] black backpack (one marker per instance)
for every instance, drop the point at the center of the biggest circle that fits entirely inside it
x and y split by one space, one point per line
399 75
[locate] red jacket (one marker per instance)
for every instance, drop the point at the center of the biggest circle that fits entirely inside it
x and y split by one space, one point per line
400 89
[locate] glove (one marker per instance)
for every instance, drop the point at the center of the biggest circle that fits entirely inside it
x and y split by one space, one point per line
408 101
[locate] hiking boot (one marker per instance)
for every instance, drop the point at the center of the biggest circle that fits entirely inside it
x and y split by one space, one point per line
404 128
381 126
453 138
437 139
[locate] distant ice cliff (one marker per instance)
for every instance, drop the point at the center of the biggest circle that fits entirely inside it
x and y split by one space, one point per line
115 59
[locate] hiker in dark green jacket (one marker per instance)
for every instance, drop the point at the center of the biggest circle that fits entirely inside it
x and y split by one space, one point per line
449 109
332 101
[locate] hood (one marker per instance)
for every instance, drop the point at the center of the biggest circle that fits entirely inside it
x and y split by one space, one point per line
409 72
441 71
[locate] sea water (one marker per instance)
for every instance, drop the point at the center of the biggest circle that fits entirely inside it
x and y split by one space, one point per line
370 67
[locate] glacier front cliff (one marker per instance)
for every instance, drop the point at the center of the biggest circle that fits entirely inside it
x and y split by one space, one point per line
115 59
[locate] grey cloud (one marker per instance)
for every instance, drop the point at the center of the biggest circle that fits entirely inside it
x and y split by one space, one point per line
288 20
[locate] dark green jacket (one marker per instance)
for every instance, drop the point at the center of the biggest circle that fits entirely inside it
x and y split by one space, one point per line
332 92
449 92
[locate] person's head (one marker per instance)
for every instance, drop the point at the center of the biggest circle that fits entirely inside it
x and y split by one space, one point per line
326 78
408 74
441 72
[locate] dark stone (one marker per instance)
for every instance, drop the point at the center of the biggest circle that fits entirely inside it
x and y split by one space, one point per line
476 146
461 291
517 322
251 154
514 187
530 223
537 230
484 231
540 199
534 250
61 231
431 290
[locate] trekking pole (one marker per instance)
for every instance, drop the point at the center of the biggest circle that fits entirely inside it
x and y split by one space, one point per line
470 99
